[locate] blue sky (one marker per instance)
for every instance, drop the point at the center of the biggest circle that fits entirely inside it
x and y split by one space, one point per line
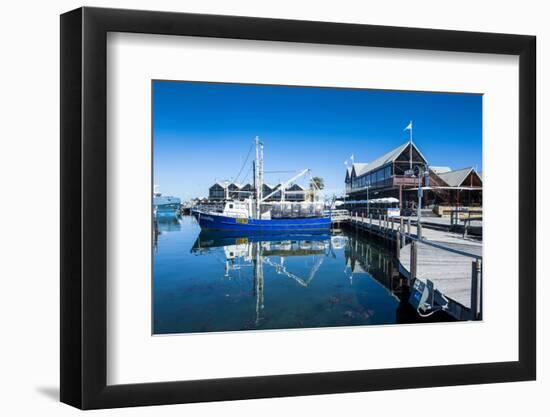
202 132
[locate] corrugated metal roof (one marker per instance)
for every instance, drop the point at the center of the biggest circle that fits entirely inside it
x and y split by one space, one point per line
456 177
221 184
440 170
361 168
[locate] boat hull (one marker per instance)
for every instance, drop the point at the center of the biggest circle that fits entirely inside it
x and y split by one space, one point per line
166 212
210 221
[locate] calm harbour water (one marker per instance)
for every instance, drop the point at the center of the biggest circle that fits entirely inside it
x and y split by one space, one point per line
207 282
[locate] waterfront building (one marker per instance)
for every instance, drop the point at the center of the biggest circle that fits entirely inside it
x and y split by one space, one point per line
463 187
268 189
247 191
295 193
221 191
233 191
396 174
217 192
387 175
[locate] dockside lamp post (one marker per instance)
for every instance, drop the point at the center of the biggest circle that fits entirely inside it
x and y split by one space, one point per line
423 172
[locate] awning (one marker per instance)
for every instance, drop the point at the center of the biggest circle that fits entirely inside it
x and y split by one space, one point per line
445 188
385 200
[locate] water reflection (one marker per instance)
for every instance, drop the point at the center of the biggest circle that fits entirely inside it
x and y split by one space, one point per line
258 251
220 282
164 224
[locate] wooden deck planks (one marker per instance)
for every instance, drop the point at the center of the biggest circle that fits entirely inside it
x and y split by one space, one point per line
451 273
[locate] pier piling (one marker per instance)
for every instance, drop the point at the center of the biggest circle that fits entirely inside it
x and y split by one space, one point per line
476 296
412 268
443 258
397 244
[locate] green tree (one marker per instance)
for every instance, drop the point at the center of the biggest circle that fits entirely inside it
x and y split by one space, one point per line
317 181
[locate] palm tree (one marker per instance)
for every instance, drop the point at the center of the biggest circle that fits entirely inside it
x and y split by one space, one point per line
317 183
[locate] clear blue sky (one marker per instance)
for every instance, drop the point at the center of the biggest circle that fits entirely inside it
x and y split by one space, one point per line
202 131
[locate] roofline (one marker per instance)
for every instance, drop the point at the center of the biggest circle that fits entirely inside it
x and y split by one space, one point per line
421 154
391 161
470 169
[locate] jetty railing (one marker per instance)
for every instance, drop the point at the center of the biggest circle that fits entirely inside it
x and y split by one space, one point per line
398 230
338 216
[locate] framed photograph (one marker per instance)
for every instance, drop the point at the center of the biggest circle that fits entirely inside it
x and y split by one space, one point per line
257 208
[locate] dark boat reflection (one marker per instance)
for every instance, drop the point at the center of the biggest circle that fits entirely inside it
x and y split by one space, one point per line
164 224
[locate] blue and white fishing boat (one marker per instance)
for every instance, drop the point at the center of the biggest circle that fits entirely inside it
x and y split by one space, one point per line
165 206
256 214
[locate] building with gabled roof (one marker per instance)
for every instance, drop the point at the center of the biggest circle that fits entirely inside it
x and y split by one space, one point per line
295 193
387 175
218 191
465 177
395 174
225 190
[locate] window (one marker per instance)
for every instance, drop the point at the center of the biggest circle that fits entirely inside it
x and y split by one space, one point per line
231 206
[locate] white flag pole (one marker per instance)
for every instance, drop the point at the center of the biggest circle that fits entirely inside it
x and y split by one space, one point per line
410 142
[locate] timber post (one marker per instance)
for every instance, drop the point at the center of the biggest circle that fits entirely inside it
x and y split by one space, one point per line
475 295
412 268
397 244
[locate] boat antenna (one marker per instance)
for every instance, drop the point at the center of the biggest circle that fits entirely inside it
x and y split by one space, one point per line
259 174
236 179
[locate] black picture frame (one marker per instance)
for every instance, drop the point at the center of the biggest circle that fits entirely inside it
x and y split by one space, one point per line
84 207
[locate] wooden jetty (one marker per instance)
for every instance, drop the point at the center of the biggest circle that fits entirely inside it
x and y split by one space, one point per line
443 266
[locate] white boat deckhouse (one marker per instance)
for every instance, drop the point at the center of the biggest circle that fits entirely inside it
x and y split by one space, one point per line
396 175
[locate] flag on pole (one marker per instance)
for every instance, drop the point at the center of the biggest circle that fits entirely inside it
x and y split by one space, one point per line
410 129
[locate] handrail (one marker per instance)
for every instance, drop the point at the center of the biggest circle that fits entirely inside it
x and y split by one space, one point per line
438 246
435 245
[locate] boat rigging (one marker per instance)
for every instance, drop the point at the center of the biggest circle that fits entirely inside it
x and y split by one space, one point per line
256 214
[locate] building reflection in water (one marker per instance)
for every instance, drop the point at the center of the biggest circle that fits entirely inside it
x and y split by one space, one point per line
363 257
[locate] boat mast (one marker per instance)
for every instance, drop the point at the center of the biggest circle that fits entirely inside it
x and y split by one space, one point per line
259 174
